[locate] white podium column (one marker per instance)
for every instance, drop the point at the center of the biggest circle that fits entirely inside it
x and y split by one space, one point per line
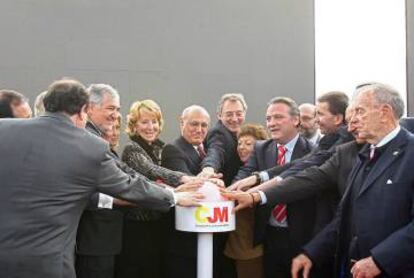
205 255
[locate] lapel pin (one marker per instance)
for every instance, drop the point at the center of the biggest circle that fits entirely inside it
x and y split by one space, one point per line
389 181
395 153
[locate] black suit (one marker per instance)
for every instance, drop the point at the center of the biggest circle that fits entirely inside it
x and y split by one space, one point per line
300 214
182 246
375 216
330 176
221 145
99 235
327 182
319 155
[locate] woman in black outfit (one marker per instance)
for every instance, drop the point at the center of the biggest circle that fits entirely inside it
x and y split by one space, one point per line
145 230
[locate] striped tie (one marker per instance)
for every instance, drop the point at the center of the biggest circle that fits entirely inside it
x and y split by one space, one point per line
280 211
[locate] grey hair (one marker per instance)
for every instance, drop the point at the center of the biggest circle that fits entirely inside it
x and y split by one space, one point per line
308 106
385 94
97 92
193 108
231 97
294 110
39 107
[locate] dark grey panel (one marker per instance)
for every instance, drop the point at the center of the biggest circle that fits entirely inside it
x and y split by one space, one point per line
175 52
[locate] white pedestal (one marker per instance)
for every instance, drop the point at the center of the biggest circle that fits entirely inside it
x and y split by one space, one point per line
205 255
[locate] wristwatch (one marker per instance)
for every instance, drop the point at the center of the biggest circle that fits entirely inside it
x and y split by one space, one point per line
258 178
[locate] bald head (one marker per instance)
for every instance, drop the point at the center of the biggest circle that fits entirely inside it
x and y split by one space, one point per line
194 122
308 123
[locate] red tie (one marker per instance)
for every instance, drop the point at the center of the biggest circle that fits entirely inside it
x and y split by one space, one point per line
280 211
201 152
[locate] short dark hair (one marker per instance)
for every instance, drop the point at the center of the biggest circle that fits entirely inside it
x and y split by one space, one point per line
337 101
66 95
7 98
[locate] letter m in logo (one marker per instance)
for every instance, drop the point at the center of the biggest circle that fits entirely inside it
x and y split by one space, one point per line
219 215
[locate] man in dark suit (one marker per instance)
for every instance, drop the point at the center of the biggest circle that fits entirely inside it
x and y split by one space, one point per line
185 155
331 109
53 166
372 233
99 235
330 176
221 140
14 105
222 157
281 229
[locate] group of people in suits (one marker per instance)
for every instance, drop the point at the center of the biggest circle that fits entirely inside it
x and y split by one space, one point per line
325 191
371 233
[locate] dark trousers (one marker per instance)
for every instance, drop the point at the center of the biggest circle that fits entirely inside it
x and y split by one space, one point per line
180 267
95 266
142 249
277 253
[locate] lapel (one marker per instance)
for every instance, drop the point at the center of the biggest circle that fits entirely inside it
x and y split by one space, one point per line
391 154
271 154
190 152
299 150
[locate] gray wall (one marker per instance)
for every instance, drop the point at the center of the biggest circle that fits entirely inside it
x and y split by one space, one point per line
175 52
410 56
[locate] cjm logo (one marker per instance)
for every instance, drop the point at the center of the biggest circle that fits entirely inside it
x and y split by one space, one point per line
203 215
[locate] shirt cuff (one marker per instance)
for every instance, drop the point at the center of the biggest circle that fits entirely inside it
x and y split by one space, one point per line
264 176
278 178
262 197
174 195
105 201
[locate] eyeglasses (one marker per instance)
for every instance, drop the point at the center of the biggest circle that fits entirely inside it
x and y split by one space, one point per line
195 124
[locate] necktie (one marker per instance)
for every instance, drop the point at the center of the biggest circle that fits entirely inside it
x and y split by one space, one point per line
201 152
280 210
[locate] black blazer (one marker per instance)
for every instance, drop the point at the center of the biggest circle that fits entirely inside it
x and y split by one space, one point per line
300 214
317 157
329 178
221 146
100 230
181 156
384 222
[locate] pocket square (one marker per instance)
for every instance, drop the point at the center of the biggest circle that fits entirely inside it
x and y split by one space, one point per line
389 181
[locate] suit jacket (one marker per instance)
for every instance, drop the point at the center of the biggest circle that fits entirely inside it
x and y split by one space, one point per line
300 214
408 123
384 222
51 170
221 146
181 156
329 178
100 229
319 155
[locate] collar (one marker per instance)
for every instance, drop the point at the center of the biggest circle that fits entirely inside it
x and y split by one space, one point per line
57 115
387 138
315 138
291 144
91 126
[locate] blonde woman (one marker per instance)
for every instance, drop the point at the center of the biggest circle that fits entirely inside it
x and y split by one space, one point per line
144 230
